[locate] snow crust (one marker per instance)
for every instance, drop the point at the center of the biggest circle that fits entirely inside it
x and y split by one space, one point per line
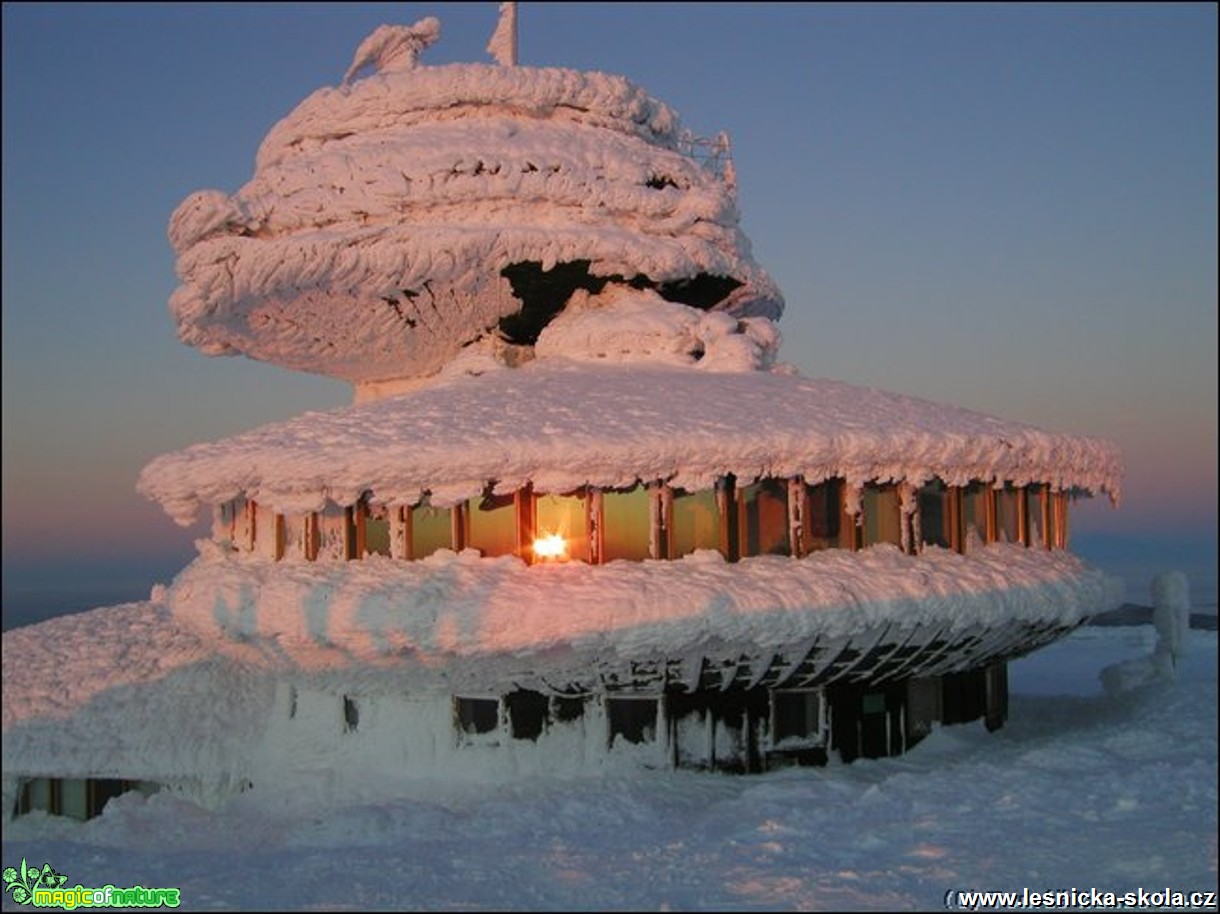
1132 777
369 243
563 423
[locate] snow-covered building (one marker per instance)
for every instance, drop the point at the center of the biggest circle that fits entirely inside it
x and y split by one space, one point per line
578 514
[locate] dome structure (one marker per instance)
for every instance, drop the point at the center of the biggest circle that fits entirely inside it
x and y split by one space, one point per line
405 214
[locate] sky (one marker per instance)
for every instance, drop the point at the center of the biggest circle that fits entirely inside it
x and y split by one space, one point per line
1011 208
1080 789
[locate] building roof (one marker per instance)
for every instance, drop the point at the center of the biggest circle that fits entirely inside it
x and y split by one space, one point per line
561 423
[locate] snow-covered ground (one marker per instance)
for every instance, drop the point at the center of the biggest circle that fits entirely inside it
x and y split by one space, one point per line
1080 790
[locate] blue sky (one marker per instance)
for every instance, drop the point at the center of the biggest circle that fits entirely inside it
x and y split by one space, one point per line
1009 207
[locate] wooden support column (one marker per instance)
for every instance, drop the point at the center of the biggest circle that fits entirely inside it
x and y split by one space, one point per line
593 510
726 506
457 526
398 532
661 512
798 510
523 501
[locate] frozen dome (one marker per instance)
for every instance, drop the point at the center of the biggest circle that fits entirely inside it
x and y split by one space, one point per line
398 218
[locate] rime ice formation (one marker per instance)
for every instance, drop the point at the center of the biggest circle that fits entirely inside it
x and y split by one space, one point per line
564 423
399 217
225 648
538 287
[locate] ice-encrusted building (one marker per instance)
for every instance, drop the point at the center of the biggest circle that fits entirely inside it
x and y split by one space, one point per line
577 516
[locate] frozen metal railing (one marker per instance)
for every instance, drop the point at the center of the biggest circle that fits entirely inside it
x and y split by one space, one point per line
713 153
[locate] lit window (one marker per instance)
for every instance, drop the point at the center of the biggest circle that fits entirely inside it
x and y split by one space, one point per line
490 524
762 518
431 529
561 522
694 522
882 521
376 531
626 524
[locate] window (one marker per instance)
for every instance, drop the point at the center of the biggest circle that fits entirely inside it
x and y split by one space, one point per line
351 714
376 531
935 513
332 534
633 719
797 718
79 798
294 536
823 526
1008 513
1037 511
431 529
762 518
975 516
476 715
567 708
626 524
490 524
225 520
268 533
564 516
882 522
694 522
527 713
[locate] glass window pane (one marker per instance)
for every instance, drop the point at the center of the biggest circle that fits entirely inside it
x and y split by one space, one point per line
881 521
294 536
796 717
933 500
1035 497
74 798
626 524
376 532
430 530
1007 515
762 518
565 516
491 524
695 522
823 527
974 516
633 720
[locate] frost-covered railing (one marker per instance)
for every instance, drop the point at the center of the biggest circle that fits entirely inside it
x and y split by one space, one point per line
713 153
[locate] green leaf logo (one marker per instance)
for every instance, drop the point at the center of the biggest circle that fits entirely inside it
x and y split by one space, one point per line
22 883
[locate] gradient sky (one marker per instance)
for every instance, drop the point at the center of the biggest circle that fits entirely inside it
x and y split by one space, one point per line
1006 207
